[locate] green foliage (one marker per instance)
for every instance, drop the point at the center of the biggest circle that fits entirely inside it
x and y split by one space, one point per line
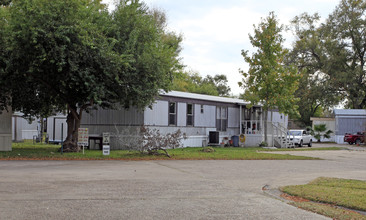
345 29
4 91
263 144
319 131
153 52
314 91
194 83
332 55
75 55
269 80
5 2
220 82
331 211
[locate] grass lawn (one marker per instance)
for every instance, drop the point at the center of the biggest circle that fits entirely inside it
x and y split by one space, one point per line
29 151
303 149
340 192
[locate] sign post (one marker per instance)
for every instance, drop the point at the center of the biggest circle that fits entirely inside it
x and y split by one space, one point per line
106 143
83 137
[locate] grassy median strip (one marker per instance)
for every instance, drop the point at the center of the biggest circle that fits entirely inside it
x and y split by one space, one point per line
329 211
304 149
29 151
339 192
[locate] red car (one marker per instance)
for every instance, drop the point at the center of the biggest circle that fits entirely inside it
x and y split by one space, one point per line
355 138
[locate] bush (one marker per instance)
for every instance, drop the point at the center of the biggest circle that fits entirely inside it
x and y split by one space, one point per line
152 141
208 149
263 144
319 131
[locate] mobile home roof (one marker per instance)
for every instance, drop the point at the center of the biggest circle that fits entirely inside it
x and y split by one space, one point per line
350 112
188 95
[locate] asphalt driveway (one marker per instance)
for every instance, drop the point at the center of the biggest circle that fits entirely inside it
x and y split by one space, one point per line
163 189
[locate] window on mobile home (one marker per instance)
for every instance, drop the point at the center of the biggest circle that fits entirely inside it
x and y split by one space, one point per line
189 114
172 113
221 118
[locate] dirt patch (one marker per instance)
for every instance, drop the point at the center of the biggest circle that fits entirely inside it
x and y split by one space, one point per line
294 198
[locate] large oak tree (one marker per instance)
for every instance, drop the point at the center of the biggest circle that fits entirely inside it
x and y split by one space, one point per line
332 54
74 55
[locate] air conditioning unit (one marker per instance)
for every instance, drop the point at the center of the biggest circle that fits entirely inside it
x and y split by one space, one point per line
214 137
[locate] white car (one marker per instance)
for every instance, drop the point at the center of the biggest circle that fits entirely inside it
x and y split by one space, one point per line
300 137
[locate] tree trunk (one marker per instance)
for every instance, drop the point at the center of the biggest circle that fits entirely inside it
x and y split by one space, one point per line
73 124
41 121
265 126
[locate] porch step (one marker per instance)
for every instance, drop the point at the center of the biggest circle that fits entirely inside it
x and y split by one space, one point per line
280 136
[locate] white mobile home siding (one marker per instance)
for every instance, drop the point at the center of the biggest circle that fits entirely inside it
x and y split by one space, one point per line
205 119
233 117
181 114
278 118
350 125
57 128
22 129
158 115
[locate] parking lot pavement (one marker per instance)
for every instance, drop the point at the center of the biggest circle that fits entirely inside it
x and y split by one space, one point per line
361 147
356 154
162 189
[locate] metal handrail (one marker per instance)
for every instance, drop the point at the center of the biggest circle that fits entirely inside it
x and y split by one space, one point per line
282 136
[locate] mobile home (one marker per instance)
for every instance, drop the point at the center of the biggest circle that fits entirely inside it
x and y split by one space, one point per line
348 121
22 129
194 114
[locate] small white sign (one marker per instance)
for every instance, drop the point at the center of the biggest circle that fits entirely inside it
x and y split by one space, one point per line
106 150
83 136
106 138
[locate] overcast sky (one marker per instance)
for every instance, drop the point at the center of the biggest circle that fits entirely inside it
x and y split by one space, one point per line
215 31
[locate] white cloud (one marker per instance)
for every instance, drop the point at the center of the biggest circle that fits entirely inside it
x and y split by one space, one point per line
220 25
216 31
213 41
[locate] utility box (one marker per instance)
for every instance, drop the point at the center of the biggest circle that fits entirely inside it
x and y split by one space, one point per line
106 150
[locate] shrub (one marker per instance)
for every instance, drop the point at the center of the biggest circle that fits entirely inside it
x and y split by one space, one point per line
263 144
208 149
319 131
153 141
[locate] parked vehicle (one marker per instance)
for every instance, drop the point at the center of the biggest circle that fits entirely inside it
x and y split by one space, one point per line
300 137
356 138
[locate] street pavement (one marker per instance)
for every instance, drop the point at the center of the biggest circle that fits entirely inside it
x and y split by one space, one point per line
164 189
